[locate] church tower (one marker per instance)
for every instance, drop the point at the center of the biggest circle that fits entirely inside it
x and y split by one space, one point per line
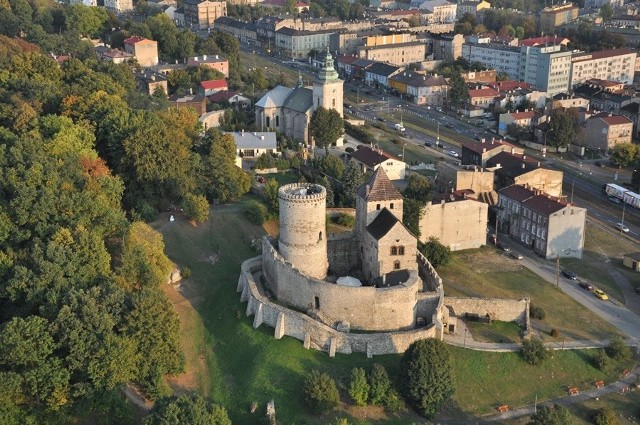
327 87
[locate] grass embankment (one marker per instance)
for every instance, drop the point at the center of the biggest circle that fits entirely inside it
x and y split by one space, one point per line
474 273
246 365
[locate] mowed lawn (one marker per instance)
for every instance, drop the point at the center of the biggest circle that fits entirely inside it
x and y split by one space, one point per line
246 365
487 273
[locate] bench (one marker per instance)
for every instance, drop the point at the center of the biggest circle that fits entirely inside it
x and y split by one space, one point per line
573 390
599 384
504 408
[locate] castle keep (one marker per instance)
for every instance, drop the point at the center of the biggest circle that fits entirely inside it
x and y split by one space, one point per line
326 290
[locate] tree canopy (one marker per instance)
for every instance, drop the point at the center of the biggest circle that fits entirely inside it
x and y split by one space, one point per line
326 126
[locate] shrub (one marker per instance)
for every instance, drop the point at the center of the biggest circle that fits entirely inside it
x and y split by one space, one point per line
554 333
606 416
196 208
359 133
348 149
185 273
393 402
256 212
359 388
537 313
617 349
379 384
437 253
320 392
427 375
601 360
344 219
556 415
265 161
187 409
533 351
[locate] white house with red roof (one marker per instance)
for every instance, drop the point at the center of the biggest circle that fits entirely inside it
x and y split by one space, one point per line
209 87
483 97
370 159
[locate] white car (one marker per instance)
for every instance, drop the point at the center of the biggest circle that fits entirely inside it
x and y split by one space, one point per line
622 227
454 154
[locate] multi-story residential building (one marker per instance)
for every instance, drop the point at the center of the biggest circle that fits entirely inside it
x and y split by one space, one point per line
505 59
546 68
486 76
246 32
378 74
149 82
118 5
526 119
145 50
458 221
196 102
453 177
478 153
441 10
472 7
604 131
420 88
202 14
397 54
445 47
483 97
566 101
107 54
216 62
298 44
614 65
554 16
632 112
548 225
514 168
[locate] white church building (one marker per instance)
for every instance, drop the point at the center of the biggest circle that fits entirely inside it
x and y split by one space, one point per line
288 110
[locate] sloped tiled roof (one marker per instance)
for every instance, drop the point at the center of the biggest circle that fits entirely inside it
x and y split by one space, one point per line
378 187
381 225
517 192
544 204
483 93
222 95
300 100
213 84
275 97
616 120
383 69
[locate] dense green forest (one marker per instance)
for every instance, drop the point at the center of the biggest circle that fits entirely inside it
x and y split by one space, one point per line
85 160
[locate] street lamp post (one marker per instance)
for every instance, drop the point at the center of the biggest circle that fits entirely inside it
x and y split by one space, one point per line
544 149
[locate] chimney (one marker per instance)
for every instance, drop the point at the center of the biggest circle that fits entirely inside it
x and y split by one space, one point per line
484 150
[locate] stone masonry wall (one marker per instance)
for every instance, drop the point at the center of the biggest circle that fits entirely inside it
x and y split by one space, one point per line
506 310
366 308
342 249
315 334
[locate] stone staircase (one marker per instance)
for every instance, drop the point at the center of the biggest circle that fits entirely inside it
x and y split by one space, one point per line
320 316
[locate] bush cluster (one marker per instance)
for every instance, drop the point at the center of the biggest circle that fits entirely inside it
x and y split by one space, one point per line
359 133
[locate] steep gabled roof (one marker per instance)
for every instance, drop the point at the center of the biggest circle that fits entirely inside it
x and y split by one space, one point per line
275 97
378 188
381 225
300 100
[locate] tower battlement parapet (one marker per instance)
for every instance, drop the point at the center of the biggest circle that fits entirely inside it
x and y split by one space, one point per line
301 192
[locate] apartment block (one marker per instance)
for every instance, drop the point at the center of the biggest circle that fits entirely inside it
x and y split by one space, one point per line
118 5
604 131
216 62
614 65
396 54
552 17
502 58
297 44
202 14
145 50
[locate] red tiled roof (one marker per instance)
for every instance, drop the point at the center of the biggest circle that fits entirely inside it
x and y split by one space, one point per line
523 115
378 187
544 204
371 157
601 54
509 85
516 192
479 147
616 120
213 84
223 95
483 93
135 39
543 40
346 59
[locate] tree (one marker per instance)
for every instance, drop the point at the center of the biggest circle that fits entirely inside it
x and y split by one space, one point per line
437 253
562 129
258 80
617 349
556 415
87 21
352 179
533 351
326 126
379 384
606 416
624 154
412 211
331 165
518 132
359 388
606 12
601 360
418 188
143 261
196 208
187 409
320 392
458 91
256 212
271 196
326 183
427 375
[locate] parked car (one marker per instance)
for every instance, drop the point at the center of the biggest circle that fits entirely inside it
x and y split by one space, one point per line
515 255
600 294
449 125
600 164
428 144
585 285
380 119
622 227
569 274
503 247
454 154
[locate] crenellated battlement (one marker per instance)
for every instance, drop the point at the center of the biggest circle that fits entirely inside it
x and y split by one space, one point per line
302 192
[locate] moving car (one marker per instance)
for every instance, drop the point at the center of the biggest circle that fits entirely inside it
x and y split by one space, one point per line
600 294
515 255
600 164
454 154
503 247
622 227
380 119
569 274
449 125
586 285
428 144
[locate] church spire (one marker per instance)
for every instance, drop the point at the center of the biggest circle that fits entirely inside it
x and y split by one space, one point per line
328 72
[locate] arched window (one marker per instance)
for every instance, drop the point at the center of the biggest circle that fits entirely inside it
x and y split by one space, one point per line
391 206
400 250
268 121
396 265
394 250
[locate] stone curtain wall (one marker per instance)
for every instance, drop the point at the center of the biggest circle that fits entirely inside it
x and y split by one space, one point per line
342 249
368 308
315 334
505 310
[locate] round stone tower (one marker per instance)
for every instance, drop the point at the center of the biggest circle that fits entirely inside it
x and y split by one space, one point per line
303 239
